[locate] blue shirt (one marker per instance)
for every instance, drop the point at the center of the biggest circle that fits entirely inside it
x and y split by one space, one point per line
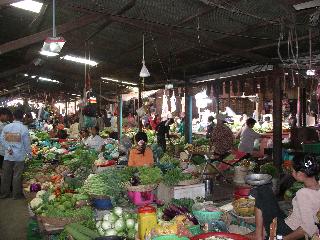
15 137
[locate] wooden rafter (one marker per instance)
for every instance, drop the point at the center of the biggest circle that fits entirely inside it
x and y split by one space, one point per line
108 20
7 2
40 36
162 30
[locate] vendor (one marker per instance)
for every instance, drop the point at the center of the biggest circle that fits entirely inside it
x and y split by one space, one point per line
181 126
140 155
95 141
163 131
247 137
306 204
74 128
62 133
210 127
222 138
54 131
84 135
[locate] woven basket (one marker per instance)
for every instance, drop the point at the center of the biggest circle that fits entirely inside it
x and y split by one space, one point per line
29 195
250 220
57 222
189 182
141 188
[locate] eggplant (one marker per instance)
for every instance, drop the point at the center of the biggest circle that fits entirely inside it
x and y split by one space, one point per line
35 187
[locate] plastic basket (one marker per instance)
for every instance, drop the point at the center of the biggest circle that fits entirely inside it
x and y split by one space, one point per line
206 217
195 230
311 148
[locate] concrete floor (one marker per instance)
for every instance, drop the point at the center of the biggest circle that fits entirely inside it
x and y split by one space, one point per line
13 219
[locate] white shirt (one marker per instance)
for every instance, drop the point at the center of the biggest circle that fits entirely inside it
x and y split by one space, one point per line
2 125
74 130
95 142
247 137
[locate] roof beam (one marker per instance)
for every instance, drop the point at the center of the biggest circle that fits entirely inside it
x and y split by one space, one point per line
7 2
40 36
108 21
164 30
13 71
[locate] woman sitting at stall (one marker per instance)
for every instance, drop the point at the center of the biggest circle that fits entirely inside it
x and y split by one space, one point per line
84 135
140 155
306 204
95 141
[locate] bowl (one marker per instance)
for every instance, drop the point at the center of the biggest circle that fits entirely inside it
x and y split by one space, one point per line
258 179
219 234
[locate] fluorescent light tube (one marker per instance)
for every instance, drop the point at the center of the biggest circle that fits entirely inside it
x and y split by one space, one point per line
48 80
48 53
28 5
118 81
80 60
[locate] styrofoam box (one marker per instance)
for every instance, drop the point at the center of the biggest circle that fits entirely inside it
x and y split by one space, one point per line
165 193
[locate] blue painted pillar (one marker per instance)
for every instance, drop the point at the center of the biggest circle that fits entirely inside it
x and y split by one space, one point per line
188 117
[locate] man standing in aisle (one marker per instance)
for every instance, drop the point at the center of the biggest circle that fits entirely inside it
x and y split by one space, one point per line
4 119
16 142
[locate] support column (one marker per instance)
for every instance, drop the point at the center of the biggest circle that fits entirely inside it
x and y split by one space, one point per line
188 117
217 91
139 106
66 106
303 105
120 105
277 121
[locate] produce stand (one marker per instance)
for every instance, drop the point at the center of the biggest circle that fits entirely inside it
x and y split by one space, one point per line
66 182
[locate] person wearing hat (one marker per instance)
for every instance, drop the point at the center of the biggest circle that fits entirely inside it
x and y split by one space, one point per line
303 218
222 138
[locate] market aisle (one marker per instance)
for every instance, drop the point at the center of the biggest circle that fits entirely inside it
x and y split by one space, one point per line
13 219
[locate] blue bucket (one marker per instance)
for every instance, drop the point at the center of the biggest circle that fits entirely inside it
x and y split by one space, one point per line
102 204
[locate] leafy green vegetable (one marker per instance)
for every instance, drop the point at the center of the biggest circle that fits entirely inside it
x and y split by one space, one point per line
184 202
269 168
149 175
107 183
174 176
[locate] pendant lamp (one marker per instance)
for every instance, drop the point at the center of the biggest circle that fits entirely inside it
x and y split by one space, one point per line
144 71
52 45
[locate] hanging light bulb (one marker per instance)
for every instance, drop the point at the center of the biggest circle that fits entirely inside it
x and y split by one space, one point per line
52 45
144 71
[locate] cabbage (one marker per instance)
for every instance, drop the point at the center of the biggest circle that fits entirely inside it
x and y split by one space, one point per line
126 215
101 231
136 227
106 225
130 223
113 218
118 211
111 232
131 234
98 224
106 217
119 225
40 193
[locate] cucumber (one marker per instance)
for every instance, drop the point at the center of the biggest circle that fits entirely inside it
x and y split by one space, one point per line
84 230
76 234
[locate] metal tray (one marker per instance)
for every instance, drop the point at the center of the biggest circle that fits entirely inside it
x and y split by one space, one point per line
258 179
